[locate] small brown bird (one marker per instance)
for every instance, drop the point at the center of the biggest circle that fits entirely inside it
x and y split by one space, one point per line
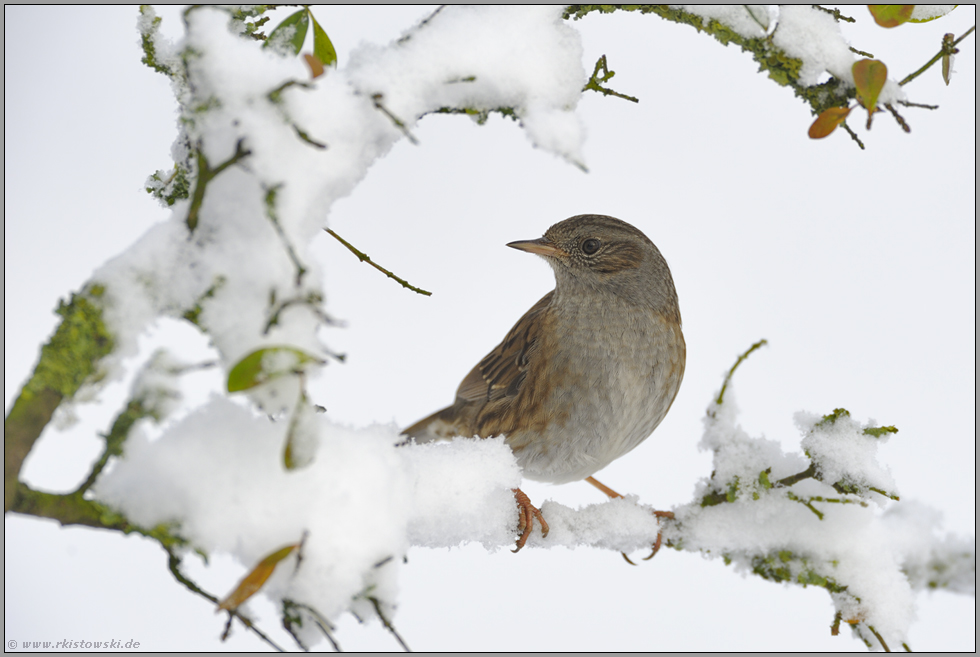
588 372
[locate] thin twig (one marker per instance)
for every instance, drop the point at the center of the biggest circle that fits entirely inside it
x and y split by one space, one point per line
891 496
731 372
800 476
853 135
835 13
837 500
765 28
946 49
835 628
363 257
174 565
240 153
205 174
276 97
326 633
114 440
387 624
276 94
807 503
906 103
899 118
880 638
288 616
320 621
136 410
309 140
422 24
270 212
193 314
311 300
394 119
595 80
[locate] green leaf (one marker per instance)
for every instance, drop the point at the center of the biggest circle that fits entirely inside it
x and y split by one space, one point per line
948 51
266 364
732 493
322 46
833 417
869 78
891 15
290 34
297 452
764 478
878 432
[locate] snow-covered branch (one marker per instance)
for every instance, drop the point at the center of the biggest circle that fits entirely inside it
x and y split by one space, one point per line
263 153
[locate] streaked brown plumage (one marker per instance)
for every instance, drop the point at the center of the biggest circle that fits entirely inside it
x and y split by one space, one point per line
589 371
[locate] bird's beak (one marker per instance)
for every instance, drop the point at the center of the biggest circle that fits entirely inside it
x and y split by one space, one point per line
540 246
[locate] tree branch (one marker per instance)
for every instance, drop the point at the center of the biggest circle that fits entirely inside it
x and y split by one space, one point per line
731 372
69 359
782 68
363 257
595 82
204 175
945 50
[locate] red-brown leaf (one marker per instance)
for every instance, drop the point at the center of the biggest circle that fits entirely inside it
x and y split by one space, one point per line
316 66
252 582
828 121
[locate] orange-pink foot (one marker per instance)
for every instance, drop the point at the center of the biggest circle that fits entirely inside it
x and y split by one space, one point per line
527 513
669 515
659 514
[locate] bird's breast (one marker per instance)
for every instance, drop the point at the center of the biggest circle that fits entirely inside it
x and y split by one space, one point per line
615 372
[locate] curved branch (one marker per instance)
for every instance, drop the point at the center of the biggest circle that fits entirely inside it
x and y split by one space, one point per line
69 359
782 68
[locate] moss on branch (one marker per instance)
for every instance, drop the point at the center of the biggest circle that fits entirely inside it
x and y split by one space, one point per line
74 509
69 359
780 67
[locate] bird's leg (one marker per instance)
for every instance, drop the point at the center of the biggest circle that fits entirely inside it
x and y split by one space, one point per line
659 514
604 488
527 512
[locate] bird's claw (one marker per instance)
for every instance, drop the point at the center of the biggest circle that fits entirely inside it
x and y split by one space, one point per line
669 515
527 512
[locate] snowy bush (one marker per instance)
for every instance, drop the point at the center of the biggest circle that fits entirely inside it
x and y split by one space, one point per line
267 145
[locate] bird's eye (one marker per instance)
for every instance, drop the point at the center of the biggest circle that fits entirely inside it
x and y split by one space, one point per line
590 246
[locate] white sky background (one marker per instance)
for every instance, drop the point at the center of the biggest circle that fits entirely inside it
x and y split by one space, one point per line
857 266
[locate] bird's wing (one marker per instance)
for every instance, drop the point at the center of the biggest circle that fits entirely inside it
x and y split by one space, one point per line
502 371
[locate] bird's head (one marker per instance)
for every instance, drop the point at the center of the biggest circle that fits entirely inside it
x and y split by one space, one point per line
597 252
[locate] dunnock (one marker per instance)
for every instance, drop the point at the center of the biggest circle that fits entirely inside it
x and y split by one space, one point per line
588 372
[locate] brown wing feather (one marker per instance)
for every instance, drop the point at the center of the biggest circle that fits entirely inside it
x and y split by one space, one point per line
487 400
502 371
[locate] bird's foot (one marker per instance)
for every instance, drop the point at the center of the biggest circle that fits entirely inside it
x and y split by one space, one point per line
527 512
668 515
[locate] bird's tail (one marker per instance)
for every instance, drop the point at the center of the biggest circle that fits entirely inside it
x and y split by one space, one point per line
438 426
